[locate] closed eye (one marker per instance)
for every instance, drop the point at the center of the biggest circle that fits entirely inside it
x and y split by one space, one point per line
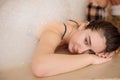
86 41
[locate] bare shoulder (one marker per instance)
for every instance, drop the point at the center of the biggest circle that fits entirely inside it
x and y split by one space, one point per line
50 38
52 27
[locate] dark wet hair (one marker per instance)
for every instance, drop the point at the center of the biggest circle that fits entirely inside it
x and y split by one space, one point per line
109 31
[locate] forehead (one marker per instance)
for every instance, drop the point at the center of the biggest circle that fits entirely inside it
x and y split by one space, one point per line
97 41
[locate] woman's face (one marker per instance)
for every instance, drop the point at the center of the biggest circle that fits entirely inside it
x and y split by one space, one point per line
84 40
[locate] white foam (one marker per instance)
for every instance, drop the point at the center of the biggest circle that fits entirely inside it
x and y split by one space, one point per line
19 20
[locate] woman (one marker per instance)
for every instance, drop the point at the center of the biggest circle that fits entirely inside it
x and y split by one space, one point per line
98 37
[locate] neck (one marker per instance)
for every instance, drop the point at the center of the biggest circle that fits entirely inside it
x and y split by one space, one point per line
70 32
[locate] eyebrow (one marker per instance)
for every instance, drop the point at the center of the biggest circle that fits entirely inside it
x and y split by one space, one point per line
89 40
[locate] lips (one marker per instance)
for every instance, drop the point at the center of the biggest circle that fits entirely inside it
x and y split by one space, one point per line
73 48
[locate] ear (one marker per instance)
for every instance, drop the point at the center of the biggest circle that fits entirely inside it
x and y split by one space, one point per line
83 25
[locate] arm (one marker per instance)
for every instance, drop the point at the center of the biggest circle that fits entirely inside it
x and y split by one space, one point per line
46 63
52 64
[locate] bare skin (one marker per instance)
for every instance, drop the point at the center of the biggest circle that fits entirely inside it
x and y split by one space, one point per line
47 63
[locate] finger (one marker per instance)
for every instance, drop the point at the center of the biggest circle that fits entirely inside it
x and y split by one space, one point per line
106 60
108 55
100 54
111 54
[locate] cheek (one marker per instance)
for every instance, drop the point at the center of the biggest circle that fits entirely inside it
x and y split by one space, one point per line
78 39
74 39
79 43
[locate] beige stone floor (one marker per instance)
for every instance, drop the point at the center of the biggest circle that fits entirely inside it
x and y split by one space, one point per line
106 71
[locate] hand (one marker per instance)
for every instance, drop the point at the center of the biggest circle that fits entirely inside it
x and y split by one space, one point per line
105 55
99 60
